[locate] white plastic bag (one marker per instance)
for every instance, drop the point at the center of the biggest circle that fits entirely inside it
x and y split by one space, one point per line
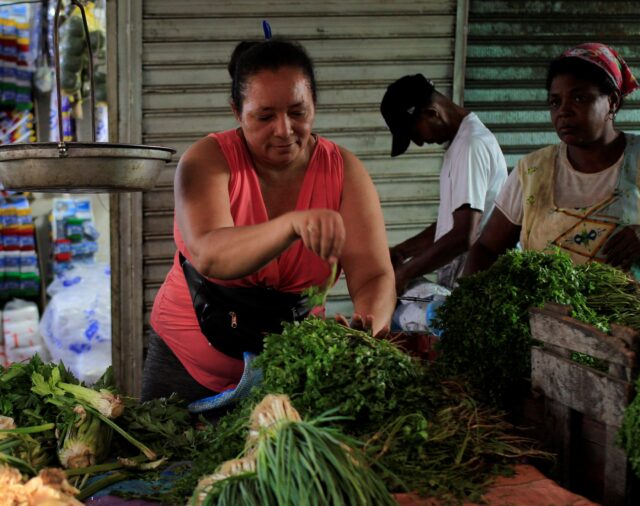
417 306
76 325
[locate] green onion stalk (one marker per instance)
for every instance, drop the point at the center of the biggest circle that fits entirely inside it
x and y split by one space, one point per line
288 461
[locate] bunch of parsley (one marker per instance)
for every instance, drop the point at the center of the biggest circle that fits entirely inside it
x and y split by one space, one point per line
485 321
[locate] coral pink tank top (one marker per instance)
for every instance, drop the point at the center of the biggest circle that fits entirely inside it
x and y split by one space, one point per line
173 317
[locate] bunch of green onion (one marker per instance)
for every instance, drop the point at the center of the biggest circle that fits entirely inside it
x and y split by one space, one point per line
292 462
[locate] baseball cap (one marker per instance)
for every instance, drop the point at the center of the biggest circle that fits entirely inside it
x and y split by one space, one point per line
399 104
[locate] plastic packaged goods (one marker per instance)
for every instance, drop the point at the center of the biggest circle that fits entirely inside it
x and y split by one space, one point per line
74 233
76 325
20 330
19 270
3 356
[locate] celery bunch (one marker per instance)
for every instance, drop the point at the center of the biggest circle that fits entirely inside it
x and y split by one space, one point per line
84 435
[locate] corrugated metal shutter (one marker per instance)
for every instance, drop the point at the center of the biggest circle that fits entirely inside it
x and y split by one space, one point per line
358 47
510 45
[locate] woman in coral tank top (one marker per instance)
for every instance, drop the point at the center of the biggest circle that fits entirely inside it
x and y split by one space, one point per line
261 213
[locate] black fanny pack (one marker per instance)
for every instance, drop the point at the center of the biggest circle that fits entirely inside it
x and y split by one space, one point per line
235 320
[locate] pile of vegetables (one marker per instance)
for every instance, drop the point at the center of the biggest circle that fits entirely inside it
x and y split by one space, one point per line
423 431
403 420
48 419
395 424
485 321
293 462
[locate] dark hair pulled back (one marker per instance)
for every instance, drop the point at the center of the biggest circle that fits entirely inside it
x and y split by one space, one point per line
250 57
583 70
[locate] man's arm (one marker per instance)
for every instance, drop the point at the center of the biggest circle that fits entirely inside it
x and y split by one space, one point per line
455 242
413 246
498 235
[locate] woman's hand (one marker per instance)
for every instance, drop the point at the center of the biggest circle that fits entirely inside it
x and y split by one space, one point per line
322 231
366 323
623 249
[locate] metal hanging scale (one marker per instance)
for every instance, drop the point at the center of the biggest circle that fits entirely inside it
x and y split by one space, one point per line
80 167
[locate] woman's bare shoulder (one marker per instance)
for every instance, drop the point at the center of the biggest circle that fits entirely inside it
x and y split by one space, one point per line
204 155
353 166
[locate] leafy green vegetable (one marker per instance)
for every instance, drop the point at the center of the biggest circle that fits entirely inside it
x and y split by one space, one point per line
17 399
589 361
485 321
612 294
291 462
103 401
323 365
414 421
84 440
628 437
317 296
165 426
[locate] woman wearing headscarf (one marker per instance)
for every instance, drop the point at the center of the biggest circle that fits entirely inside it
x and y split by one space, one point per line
581 195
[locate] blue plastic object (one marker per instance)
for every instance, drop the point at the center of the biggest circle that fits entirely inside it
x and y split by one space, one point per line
266 28
432 310
250 377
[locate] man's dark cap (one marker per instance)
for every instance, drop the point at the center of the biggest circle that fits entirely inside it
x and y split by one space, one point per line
400 105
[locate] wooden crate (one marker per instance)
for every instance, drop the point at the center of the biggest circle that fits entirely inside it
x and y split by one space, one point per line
584 407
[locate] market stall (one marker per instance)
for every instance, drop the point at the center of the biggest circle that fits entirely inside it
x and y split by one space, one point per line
419 425
336 416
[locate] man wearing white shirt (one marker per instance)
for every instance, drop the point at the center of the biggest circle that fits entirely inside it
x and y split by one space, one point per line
473 172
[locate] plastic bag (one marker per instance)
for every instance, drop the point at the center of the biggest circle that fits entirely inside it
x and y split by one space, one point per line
418 305
76 325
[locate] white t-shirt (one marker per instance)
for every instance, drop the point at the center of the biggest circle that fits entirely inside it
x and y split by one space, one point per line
572 189
473 172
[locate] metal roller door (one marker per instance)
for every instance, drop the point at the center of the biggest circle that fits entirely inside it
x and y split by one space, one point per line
510 45
358 48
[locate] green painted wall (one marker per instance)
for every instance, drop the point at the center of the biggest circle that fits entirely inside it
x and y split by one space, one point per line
510 44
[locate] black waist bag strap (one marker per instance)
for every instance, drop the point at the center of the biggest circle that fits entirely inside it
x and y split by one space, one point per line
235 320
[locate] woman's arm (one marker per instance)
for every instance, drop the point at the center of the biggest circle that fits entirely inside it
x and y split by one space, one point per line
365 256
219 249
498 235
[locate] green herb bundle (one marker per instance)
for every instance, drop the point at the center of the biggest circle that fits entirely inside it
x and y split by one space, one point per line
485 321
323 365
415 422
165 426
612 294
18 401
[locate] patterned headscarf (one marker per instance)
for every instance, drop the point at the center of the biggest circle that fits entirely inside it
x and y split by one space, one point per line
608 60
